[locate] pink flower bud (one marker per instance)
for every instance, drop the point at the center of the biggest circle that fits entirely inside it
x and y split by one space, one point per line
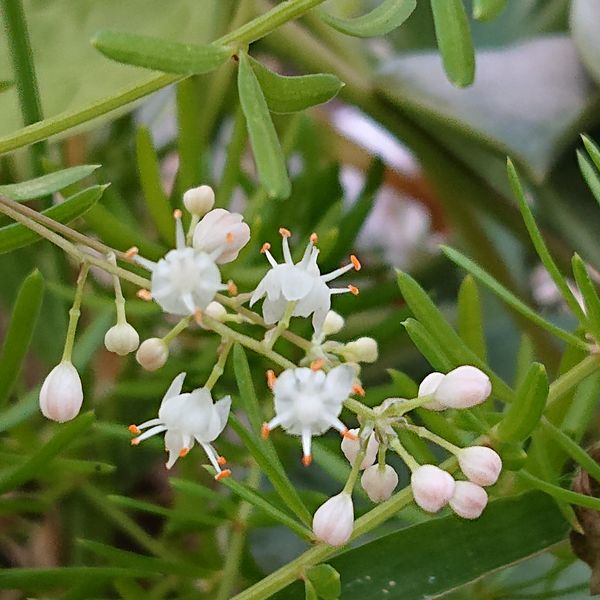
121 339
463 387
432 487
480 464
199 200
221 234
152 354
428 387
350 448
379 483
468 500
334 520
61 395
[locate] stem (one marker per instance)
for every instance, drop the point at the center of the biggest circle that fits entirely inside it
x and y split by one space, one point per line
119 299
411 463
350 483
74 313
282 325
359 408
432 437
573 377
217 370
183 324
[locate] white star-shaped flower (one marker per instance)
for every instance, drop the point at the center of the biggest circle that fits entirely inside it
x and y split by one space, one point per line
308 402
185 419
301 283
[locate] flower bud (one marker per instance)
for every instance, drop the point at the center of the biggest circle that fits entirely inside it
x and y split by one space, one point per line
463 387
468 500
216 311
363 349
199 200
351 447
61 395
121 339
428 387
432 487
152 354
379 483
334 520
333 323
221 234
480 464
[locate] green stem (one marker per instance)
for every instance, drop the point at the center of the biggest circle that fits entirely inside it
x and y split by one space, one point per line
573 377
359 408
351 482
75 312
183 324
432 437
217 370
282 326
119 299
397 447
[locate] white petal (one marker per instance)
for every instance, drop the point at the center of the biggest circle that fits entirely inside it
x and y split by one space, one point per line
339 382
296 284
175 387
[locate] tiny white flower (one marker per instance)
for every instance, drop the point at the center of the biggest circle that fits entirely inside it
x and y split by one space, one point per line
308 403
480 464
463 387
199 200
121 339
216 311
379 483
301 283
468 500
428 387
333 323
221 234
351 447
61 395
185 419
432 487
152 354
333 521
364 349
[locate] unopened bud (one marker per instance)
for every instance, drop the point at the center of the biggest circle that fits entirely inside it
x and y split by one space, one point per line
379 483
432 487
428 387
363 349
351 447
334 520
216 311
199 200
463 387
468 500
121 339
333 323
222 234
480 464
61 395
152 354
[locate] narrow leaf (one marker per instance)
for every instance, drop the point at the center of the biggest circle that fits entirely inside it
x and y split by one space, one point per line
487 10
5 85
246 389
454 40
404 386
592 149
386 17
470 318
590 174
46 184
582 408
326 581
268 155
160 55
292 94
589 293
20 330
427 346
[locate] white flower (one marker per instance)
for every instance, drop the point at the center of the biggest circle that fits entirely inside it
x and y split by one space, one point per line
428 387
121 339
432 487
221 234
301 283
463 387
351 447
61 395
379 483
152 354
363 349
334 520
186 418
468 500
480 464
309 402
333 323
199 200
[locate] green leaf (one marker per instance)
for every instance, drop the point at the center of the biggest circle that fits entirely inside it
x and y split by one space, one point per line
470 318
37 461
487 10
590 174
309 591
20 330
326 581
17 236
404 386
5 85
292 94
524 414
46 184
386 17
268 155
246 389
160 55
582 408
427 346
589 293
454 40
509 298
592 149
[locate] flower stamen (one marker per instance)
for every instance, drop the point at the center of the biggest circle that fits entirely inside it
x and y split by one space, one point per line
271 378
223 474
358 389
145 295
318 364
265 430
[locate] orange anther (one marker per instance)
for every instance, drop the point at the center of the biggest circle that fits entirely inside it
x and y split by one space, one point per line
135 441
229 237
355 262
177 214
221 460
198 316
353 289
358 389
232 288
134 429
264 431
132 252
271 378
266 246
349 435
145 295
183 452
307 460
283 232
223 474
314 238
318 364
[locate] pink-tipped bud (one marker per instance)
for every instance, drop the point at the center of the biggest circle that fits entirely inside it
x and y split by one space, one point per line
152 354
480 464
199 200
428 387
363 349
122 339
432 487
222 234
351 447
61 395
334 520
468 500
463 387
379 483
